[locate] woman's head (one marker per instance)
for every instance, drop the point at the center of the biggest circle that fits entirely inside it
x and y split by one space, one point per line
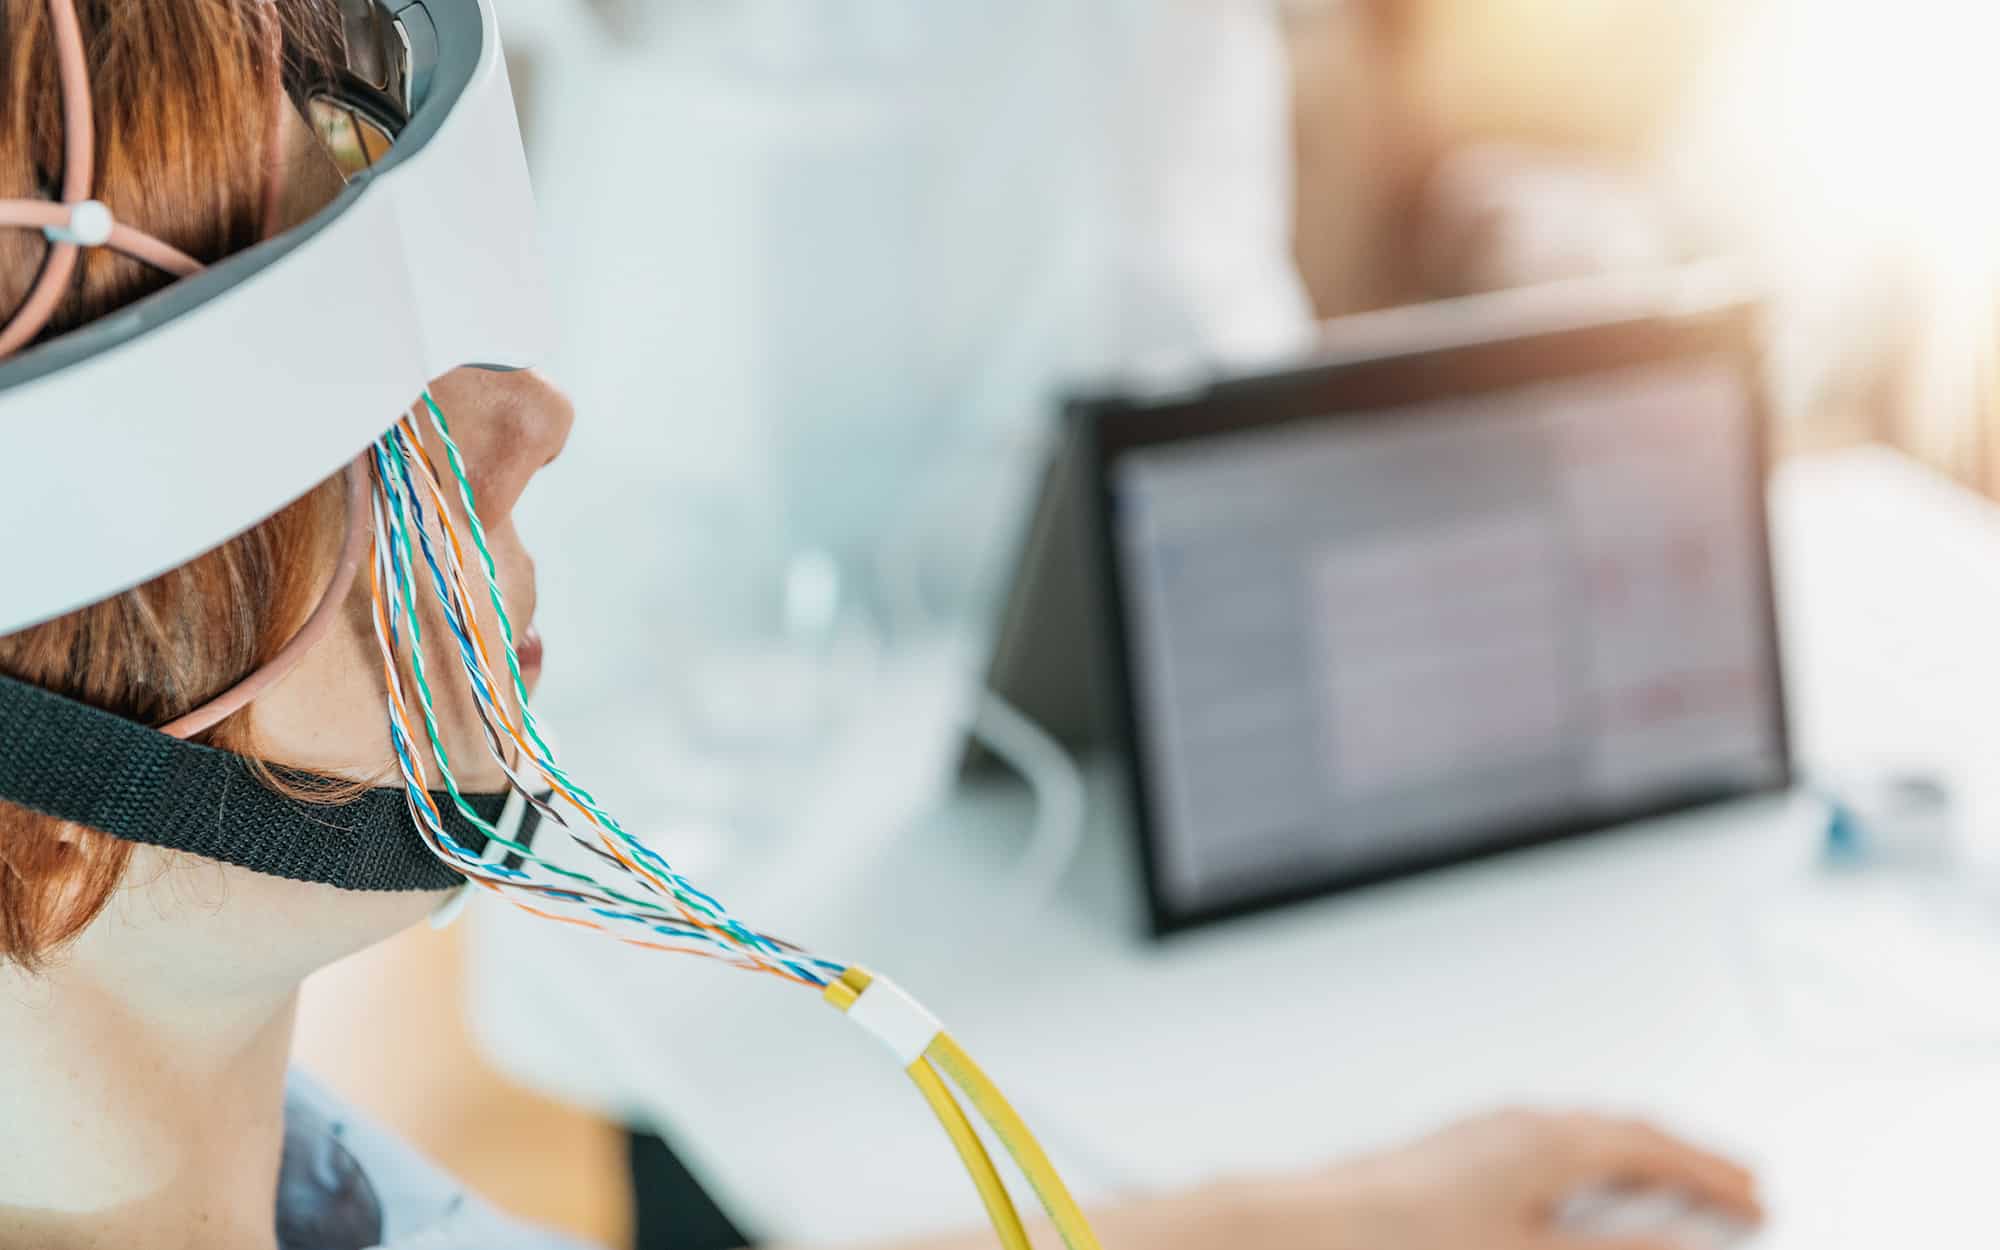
183 97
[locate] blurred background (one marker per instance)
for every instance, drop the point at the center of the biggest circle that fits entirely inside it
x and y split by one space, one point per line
825 270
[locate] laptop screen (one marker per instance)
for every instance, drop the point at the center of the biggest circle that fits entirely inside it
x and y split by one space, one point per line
1412 633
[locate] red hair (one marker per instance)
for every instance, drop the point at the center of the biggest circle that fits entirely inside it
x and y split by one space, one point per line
179 88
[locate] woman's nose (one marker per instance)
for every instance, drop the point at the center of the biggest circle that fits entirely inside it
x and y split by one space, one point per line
508 425
547 415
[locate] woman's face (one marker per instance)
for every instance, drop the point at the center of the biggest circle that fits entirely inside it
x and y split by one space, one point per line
182 918
329 715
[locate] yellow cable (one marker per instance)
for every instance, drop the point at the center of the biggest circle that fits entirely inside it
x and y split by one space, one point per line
946 1055
992 1190
1013 1132
843 994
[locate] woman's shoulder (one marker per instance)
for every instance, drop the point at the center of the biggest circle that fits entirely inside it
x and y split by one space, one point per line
346 1183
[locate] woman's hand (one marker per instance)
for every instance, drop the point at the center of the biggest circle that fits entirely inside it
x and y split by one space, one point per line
1493 1183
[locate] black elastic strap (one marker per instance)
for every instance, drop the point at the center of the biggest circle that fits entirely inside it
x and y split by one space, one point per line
77 763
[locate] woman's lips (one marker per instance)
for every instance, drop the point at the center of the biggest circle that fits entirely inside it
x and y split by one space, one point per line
528 650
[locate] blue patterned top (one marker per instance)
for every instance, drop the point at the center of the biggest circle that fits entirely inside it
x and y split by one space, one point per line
347 1184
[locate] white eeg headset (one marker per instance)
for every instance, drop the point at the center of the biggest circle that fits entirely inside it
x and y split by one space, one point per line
138 441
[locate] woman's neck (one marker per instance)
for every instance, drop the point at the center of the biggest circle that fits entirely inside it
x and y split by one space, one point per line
138 1109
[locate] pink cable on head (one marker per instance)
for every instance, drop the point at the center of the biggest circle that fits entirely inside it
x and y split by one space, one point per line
67 221
79 173
47 214
155 252
79 154
211 713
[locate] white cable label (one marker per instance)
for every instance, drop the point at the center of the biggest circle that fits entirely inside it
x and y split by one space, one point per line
896 1020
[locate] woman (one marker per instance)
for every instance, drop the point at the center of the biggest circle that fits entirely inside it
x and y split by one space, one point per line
147 996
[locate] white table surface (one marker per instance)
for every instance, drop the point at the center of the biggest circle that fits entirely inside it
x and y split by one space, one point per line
1635 972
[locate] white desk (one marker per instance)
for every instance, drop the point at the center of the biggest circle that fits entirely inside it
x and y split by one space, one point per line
1623 971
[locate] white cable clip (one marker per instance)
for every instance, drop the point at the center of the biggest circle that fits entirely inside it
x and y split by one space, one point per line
452 905
895 1019
89 225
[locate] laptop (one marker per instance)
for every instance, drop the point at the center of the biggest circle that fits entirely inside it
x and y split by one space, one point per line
1477 577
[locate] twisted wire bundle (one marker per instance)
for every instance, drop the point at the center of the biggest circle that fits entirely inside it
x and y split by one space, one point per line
635 895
